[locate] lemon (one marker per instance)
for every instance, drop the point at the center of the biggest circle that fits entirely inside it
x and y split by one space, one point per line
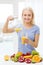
6 57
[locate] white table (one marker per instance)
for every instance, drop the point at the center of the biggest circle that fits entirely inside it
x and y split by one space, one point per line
14 63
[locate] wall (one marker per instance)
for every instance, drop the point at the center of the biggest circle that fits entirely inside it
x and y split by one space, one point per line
38 15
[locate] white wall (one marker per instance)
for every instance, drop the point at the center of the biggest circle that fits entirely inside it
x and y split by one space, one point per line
15 4
37 6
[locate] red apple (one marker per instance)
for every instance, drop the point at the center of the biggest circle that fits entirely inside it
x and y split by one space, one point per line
21 59
28 60
23 54
28 53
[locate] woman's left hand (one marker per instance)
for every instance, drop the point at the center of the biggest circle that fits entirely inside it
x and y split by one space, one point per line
26 41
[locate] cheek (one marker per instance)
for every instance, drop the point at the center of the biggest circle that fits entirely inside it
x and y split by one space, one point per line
23 17
30 18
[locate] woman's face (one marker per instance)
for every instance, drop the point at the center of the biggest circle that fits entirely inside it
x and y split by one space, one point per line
27 16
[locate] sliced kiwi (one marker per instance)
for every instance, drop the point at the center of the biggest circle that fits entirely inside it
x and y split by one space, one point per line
15 59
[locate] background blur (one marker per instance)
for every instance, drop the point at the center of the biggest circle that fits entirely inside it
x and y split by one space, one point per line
9 42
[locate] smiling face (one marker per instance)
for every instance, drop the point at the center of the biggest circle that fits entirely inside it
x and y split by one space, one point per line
27 16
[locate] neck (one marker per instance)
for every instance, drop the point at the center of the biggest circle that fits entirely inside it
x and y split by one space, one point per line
27 24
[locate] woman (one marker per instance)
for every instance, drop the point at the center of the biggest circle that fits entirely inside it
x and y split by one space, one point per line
28 27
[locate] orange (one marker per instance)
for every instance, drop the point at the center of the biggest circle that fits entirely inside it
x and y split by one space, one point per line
36 58
19 53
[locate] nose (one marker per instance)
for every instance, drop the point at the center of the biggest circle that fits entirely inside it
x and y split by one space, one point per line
26 16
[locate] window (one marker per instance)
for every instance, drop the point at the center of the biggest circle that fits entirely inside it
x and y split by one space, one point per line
5 11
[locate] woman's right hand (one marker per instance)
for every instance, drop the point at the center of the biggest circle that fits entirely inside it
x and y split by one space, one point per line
10 18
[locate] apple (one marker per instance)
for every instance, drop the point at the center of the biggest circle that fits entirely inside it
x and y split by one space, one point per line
14 59
34 52
17 55
28 53
21 59
28 60
23 54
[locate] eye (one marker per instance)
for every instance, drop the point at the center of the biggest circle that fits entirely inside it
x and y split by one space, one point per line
29 15
24 14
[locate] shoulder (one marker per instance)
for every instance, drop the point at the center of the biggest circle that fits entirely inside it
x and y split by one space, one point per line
36 27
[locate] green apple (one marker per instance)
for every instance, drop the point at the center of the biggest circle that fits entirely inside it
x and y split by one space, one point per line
17 55
34 52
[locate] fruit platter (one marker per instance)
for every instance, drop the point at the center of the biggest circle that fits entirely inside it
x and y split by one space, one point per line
28 58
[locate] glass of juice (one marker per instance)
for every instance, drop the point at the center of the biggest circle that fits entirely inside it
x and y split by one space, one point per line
24 36
18 29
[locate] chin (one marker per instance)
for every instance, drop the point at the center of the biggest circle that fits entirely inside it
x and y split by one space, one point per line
27 22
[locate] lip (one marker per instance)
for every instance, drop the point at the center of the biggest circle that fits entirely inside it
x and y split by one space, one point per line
27 19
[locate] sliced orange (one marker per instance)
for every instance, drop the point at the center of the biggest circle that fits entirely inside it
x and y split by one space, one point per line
36 58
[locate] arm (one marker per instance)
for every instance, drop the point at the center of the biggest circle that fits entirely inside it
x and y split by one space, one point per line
5 28
33 43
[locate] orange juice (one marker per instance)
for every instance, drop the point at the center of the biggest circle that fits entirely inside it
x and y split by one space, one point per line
23 38
17 29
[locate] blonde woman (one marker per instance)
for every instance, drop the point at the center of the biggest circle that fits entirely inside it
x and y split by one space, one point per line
28 27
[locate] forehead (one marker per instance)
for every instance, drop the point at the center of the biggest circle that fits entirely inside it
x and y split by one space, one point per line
25 11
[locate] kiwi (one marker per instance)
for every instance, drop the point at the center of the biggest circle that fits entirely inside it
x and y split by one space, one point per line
33 61
15 59
12 58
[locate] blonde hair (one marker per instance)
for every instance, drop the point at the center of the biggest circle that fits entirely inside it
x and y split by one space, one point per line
30 9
